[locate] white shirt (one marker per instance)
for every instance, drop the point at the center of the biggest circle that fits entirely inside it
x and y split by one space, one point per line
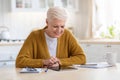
52 45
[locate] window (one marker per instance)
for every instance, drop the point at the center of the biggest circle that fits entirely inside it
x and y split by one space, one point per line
106 19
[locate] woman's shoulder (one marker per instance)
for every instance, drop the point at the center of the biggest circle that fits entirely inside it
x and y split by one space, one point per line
67 32
38 31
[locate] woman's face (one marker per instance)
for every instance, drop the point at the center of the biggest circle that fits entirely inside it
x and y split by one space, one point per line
55 28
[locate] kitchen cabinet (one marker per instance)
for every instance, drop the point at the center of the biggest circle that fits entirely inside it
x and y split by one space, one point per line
42 5
8 53
96 52
27 5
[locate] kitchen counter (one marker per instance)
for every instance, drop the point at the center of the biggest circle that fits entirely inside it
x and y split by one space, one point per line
10 43
100 41
88 41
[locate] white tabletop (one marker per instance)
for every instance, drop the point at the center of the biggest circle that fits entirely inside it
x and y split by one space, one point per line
111 73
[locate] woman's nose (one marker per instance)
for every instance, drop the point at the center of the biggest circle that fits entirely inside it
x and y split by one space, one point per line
59 29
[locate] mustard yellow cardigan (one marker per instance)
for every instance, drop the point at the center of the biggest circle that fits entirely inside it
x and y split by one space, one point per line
34 50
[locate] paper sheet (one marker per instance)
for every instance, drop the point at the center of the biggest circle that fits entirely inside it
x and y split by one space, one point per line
95 65
31 70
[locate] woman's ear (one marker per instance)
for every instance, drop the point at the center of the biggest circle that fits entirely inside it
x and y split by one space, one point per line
47 21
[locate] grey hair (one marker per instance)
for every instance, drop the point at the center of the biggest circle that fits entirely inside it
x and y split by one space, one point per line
57 13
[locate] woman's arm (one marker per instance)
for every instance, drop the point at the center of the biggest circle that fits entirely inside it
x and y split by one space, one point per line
25 56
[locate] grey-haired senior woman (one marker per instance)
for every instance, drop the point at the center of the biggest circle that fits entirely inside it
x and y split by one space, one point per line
52 46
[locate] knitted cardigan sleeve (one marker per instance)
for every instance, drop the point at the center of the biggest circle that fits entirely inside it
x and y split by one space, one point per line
25 56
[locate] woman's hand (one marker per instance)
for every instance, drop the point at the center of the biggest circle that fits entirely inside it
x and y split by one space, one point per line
52 62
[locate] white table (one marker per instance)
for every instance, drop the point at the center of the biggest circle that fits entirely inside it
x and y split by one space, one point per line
111 73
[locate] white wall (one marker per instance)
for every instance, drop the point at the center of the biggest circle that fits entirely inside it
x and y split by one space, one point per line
21 24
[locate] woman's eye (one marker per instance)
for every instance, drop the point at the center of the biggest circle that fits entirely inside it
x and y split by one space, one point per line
58 26
55 26
62 26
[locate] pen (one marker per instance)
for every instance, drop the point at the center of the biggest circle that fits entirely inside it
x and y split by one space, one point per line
46 70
